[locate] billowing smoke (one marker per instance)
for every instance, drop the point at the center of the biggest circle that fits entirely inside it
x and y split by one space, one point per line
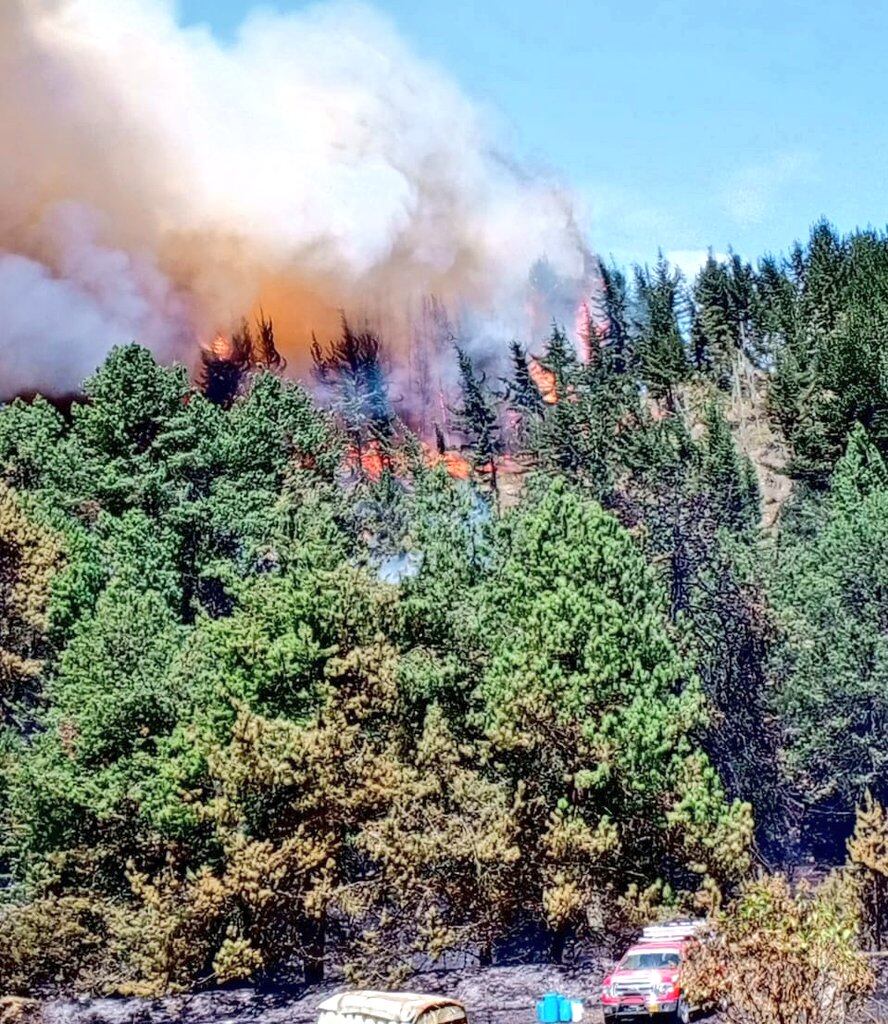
156 184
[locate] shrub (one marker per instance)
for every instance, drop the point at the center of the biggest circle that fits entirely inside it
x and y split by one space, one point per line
782 954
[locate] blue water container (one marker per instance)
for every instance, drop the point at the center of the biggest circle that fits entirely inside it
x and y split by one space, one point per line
554 1009
548 1009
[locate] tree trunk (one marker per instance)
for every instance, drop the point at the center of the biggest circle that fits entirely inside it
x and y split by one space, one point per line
559 943
314 941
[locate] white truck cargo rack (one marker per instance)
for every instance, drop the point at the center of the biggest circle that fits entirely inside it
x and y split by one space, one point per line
674 932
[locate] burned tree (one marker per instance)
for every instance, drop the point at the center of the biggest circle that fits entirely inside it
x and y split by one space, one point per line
228 362
351 371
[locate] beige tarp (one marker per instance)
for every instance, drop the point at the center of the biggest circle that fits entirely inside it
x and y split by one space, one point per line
397 1007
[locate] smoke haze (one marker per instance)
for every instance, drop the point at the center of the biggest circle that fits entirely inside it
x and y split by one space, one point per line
157 184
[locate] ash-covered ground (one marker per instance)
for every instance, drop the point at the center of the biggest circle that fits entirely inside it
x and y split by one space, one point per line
491 995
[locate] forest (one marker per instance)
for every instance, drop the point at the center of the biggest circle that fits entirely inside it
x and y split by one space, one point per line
287 687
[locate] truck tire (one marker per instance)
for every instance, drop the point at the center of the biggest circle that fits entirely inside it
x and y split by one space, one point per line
682 1012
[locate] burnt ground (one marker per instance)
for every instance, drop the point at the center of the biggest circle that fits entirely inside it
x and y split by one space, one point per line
493 995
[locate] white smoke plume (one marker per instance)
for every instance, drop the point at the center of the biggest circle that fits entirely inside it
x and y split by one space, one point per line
157 184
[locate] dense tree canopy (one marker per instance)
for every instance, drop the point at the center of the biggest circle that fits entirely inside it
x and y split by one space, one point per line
284 685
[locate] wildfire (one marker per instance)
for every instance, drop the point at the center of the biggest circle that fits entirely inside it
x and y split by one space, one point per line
585 331
544 380
456 466
220 347
372 461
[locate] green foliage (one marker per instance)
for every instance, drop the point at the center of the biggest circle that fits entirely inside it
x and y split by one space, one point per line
524 396
828 312
613 330
589 700
829 590
476 417
30 557
260 712
660 342
253 742
724 327
580 431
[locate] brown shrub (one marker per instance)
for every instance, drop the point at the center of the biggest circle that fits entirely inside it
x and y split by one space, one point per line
782 955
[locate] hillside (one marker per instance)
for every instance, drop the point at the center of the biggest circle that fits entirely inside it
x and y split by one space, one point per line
289 687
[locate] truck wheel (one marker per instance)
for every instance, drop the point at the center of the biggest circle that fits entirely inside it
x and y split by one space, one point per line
682 1012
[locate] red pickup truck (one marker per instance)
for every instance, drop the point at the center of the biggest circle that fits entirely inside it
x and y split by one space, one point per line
646 981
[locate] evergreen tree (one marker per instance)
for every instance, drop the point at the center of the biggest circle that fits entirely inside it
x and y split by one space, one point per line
579 433
713 334
523 394
231 677
585 692
31 555
351 369
663 362
830 368
560 360
828 589
227 363
697 503
476 417
868 852
613 309
728 477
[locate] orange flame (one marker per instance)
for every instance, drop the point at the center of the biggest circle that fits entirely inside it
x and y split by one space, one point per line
220 347
372 462
454 464
544 380
585 331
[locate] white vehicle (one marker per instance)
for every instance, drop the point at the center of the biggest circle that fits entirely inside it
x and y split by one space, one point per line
368 1007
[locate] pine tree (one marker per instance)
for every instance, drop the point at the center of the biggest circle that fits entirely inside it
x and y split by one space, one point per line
729 477
476 417
523 394
860 472
775 311
351 369
613 310
31 555
713 333
742 279
560 360
868 850
663 361
585 684
829 672
227 364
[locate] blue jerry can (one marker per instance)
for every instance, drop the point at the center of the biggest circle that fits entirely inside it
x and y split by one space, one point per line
564 1010
548 1010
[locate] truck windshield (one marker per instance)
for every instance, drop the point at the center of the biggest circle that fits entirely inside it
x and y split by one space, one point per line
649 961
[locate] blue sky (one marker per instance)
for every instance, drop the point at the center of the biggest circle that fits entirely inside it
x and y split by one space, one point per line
681 124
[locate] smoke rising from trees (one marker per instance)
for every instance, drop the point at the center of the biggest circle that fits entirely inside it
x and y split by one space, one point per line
158 184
